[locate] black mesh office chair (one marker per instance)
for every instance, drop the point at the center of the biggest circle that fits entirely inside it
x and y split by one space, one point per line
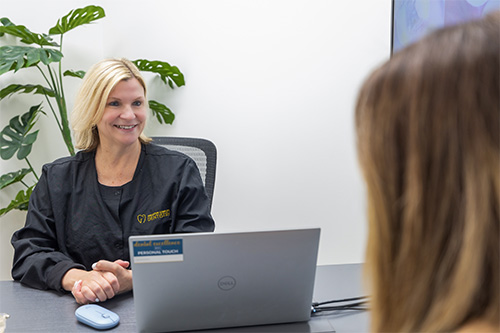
202 151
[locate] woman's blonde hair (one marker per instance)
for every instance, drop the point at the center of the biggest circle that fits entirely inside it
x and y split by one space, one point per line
92 96
428 136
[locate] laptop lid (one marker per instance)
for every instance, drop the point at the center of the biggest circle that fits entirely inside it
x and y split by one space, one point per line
215 280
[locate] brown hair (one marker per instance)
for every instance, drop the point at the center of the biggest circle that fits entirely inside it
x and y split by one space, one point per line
90 102
428 132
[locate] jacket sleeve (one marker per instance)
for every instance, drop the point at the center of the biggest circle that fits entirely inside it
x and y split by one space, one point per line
38 262
193 206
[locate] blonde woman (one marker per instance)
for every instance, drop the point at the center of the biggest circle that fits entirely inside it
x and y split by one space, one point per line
85 207
428 131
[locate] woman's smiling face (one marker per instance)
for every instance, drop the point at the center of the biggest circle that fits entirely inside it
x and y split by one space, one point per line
124 116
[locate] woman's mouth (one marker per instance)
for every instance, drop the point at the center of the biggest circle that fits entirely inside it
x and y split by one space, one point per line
125 127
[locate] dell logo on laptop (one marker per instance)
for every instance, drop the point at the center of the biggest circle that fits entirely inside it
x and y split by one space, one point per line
226 283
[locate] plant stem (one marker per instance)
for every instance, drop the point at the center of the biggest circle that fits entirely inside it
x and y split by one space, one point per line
63 108
31 168
66 132
53 112
45 77
60 71
48 100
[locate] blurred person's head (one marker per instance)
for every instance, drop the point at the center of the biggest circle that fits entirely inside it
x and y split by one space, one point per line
428 132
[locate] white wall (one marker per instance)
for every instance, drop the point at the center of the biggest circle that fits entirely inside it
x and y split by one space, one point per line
271 82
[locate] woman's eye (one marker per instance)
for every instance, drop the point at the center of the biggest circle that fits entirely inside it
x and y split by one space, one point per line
113 103
137 103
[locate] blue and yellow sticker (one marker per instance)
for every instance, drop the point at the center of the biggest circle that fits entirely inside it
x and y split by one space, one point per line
160 250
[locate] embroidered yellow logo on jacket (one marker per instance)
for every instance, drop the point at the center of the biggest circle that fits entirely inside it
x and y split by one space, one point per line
143 218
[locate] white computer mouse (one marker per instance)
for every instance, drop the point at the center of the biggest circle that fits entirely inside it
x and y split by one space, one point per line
96 316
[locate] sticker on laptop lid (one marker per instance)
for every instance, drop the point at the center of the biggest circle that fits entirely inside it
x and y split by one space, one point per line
160 250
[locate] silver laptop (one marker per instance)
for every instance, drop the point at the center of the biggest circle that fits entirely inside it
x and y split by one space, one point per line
214 280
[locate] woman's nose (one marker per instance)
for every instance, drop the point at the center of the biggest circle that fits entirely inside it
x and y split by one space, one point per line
127 113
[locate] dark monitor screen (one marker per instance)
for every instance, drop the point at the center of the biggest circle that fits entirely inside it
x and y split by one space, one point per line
412 19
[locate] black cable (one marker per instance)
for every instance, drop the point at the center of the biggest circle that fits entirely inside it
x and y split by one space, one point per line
341 300
354 303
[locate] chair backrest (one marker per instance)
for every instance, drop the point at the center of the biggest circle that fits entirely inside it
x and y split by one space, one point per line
202 151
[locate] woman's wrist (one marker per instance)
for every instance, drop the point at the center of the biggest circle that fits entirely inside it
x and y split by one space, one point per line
71 277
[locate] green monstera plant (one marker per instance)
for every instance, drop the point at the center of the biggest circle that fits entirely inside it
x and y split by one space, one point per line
41 53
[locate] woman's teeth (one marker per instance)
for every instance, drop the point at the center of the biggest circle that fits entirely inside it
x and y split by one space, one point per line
125 127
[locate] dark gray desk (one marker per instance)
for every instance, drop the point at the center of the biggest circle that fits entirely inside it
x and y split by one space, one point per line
34 310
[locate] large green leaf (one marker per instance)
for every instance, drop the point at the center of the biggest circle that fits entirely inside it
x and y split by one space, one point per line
16 137
16 57
168 74
20 202
13 177
26 88
161 112
71 73
76 18
25 34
